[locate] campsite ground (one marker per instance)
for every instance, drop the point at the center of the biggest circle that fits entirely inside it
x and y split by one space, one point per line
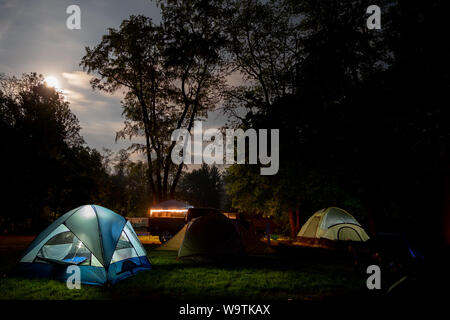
292 273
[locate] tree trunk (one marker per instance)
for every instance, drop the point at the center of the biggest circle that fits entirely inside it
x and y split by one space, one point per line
292 222
151 183
371 220
297 219
446 209
168 156
180 166
175 180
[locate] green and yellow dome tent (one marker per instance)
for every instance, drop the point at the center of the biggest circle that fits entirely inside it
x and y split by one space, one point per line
333 224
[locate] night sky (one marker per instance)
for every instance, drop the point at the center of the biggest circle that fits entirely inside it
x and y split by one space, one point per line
34 38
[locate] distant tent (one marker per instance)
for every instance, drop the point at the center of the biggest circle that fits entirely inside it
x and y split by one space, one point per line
175 242
334 224
212 236
102 243
209 237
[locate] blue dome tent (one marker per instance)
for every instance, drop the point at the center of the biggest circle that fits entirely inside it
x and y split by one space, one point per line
101 242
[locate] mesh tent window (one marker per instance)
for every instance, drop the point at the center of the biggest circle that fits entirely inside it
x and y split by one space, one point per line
64 247
348 233
124 249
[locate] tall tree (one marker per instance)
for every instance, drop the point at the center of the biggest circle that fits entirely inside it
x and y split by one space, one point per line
130 59
194 43
171 75
264 46
318 53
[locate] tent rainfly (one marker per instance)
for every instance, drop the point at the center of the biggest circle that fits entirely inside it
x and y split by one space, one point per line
102 243
334 224
214 236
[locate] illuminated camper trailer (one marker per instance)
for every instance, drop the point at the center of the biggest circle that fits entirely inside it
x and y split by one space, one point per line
167 218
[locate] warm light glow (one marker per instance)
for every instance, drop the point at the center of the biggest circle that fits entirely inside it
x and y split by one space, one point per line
168 210
52 82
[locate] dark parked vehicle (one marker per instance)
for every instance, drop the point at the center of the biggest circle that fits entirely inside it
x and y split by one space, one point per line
200 212
165 224
165 227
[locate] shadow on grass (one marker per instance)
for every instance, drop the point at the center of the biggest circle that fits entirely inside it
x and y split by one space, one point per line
290 273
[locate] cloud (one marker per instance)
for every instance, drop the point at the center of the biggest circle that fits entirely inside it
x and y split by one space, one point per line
106 127
81 80
82 103
235 79
34 38
74 97
99 113
9 12
78 91
77 79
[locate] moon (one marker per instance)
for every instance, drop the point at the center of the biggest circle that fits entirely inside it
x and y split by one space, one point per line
52 81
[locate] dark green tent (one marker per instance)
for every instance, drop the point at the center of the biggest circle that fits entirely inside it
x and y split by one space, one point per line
209 237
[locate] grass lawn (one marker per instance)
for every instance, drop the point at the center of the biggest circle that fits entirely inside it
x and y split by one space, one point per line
291 273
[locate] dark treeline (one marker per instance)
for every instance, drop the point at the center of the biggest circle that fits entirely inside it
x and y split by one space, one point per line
363 114
203 187
46 167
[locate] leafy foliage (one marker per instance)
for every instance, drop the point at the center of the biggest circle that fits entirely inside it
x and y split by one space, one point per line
46 166
356 130
48 170
202 187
